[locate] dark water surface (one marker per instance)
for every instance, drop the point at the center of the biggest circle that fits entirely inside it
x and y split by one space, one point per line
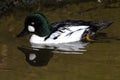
101 61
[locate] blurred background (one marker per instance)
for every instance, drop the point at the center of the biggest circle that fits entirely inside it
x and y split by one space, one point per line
8 5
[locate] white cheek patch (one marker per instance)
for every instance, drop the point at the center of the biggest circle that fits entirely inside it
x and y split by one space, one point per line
31 28
32 56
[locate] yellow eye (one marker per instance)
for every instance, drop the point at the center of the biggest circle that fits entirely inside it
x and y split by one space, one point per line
32 23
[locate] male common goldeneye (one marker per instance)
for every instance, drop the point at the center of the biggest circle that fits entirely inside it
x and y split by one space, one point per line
64 35
59 32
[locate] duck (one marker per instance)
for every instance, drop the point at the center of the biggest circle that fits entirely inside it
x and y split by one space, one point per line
60 32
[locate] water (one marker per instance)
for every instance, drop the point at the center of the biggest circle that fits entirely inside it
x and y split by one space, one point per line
40 54
101 61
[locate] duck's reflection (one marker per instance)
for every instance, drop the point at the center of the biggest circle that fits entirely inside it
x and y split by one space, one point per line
40 54
37 57
73 46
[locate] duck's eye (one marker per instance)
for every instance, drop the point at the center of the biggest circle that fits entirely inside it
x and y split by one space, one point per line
32 23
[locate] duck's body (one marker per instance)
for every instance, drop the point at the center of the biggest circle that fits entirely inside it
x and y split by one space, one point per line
59 32
62 34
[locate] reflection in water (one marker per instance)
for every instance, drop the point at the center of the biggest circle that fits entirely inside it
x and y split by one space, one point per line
73 46
36 57
39 55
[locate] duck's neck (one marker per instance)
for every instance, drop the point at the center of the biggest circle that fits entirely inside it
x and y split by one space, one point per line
44 30
47 29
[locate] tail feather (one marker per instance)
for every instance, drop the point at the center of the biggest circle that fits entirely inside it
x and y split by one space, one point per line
98 26
104 25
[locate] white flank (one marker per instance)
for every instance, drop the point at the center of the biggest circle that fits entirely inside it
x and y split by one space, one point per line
63 36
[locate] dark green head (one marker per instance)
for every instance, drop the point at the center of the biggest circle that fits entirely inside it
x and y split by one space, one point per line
37 24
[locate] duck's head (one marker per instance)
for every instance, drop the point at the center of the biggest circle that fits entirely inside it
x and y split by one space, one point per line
37 24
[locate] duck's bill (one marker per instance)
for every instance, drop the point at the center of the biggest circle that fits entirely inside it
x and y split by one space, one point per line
23 33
